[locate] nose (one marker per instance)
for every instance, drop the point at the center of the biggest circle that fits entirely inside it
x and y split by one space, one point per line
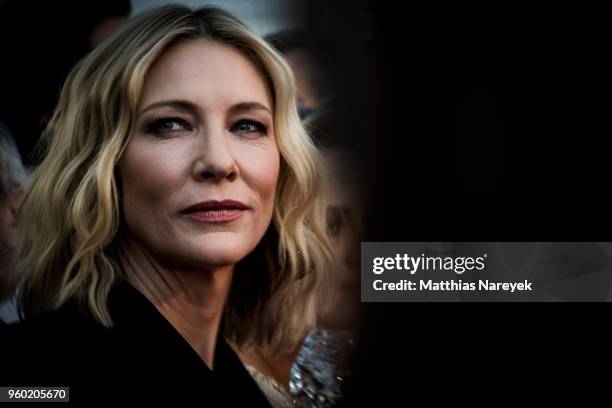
215 160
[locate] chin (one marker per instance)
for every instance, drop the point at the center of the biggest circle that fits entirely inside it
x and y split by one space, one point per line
217 253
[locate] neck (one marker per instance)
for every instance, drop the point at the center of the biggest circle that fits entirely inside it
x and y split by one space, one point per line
192 300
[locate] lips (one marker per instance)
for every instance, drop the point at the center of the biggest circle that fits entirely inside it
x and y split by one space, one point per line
214 205
214 211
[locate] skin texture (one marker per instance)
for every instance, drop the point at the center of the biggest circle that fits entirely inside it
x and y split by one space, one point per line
204 132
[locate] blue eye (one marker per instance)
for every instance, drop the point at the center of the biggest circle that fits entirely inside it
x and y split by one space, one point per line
168 125
249 126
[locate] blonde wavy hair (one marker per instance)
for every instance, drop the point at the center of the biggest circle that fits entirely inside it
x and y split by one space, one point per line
71 214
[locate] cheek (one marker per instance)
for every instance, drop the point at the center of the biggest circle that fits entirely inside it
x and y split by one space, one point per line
260 169
267 173
150 175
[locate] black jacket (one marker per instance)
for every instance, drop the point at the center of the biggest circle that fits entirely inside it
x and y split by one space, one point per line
142 358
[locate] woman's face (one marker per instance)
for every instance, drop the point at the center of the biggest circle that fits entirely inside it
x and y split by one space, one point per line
204 135
344 217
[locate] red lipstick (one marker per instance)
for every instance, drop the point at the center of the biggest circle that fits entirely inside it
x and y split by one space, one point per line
215 212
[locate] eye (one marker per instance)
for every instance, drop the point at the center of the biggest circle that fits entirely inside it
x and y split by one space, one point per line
249 126
168 125
335 221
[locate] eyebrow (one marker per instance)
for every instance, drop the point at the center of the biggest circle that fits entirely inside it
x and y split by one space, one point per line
191 107
247 106
177 104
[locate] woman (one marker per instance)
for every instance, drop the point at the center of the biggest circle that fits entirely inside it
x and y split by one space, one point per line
179 205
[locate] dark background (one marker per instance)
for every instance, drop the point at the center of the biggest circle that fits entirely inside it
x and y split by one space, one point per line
476 123
40 41
483 123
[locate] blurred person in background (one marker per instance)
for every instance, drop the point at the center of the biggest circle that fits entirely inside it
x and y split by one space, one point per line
179 206
13 179
318 371
309 76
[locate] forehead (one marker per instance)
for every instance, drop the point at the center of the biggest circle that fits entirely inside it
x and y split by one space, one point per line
206 72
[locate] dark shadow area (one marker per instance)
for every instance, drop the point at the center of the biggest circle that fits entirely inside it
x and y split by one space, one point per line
40 43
